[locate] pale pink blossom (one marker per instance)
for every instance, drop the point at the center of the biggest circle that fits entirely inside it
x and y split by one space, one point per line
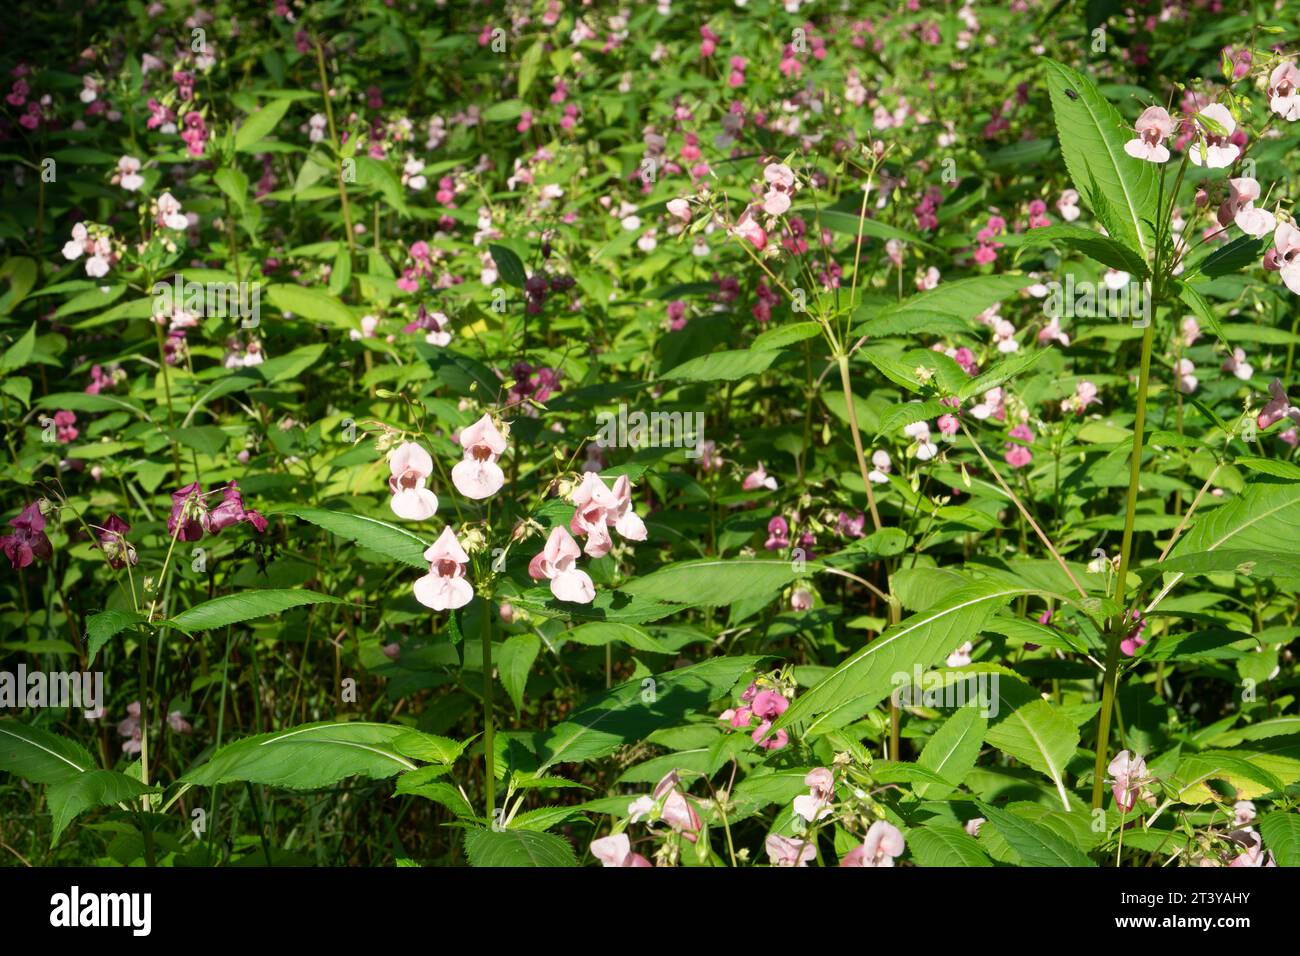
596 508
1284 91
758 478
789 851
556 563
1128 775
883 845
1153 127
1213 149
616 850
410 467
444 588
478 475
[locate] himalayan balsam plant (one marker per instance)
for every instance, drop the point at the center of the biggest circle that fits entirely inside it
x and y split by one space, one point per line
661 435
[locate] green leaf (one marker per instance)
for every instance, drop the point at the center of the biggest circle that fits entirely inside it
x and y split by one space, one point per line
1280 831
729 365
102 627
907 413
783 335
1264 517
1092 244
530 848
962 298
429 747
713 582
1201 306
18 354
631 711
1122 191
952 751
307 757
945 845
515 659
1240 253
508 265
311 304
1268 564
371 533
868 675
258 125
528 65
1035 843
39 756
95 788
233 608
1039 736
1006 369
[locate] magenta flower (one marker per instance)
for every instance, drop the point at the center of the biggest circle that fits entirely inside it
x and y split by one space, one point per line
1154 126
189 513
411 467
444 588
1278 406
479 476
112 541
231 511
65 421
28 540
556 563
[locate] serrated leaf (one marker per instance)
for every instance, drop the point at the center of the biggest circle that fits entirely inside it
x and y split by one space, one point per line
70 798
1035 843
515 659
371 533
514 848
102 627
944 845
307 757
244 606
952 750
39 756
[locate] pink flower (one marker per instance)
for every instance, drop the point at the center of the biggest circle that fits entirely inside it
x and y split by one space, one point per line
680 208
596 507
679 813
1153 127
1283 84
789 851
780 187
1240 208
815 805
883 845
760 736
1068 205
758 478
768 704
616 850
801 600
1254 854
778 534
28 540
112 541
748 228
479 476
948 424
1128 774
1286 254
444 588
188 514
411 466
1214 151
555 563
1278 406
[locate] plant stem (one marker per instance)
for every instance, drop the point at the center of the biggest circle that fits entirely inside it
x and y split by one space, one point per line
857 438
1108 687
489 750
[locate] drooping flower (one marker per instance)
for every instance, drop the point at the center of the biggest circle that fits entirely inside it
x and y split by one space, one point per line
444 588
1286 255
1236 364
1277 407
815 805
411 466
961 656
884 844
758 478
1128 773
479 476
186 521
1240 208
112 541
1213 149
789 851
1130 644
28 540
616 850
747 227
556 563
780 187
1153 127
231 511
596 508
679 813
1284 91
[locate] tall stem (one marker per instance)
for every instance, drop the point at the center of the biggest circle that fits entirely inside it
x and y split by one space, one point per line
1126 550
857 438
489 749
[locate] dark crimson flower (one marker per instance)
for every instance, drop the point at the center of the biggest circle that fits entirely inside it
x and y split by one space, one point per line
28 540
112 541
